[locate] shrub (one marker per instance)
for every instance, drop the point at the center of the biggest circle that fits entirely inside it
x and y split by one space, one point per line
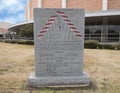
1 40
30 42
105 46
10 41
109 46
7 41
92 44
20 42
25 42
13 41
117 47
100 46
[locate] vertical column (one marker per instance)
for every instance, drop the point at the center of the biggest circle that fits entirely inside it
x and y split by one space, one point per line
90 33
119 36
104 5
64 3
40 3
28 10
104 31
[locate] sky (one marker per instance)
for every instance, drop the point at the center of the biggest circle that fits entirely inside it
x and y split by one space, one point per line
12 11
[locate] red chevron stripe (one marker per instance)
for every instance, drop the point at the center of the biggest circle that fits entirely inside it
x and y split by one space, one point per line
73 28
67 20
43 31
51 20
40 35
79 35
70 24
54 16
76 31
59 12
45 28
48 24
65 16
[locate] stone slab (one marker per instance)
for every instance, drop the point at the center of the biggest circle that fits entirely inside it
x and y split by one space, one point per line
59 81
59 42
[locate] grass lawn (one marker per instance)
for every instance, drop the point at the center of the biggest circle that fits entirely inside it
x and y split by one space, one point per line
17 63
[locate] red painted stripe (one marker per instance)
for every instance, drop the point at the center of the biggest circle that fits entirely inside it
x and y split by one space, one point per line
65 16
79 35
40 35
54 16
73 28
48 24
67 20
70 24
45 28
60 12
76 31
51 20
43 31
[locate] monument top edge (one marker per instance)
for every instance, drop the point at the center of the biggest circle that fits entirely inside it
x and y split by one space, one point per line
60 8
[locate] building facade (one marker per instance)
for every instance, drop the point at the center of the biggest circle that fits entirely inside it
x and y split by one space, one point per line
3 29
88 5
102 17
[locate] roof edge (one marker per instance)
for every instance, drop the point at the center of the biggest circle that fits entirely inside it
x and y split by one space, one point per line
21 23
103 13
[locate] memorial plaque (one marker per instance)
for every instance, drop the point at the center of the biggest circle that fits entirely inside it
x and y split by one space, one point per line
59 47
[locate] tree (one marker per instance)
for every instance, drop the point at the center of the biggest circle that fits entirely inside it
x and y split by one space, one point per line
27 32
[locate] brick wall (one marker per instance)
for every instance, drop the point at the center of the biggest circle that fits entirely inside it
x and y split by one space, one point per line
52 3
33 4
113 4
88 5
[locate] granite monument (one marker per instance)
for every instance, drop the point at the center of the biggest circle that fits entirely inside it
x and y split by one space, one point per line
59 48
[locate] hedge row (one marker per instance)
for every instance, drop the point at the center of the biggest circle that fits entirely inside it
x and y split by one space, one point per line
90 44
109 46
26 42
93 44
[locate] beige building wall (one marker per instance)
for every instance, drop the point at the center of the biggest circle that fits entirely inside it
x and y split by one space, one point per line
33 4
113 4
51 3
88 5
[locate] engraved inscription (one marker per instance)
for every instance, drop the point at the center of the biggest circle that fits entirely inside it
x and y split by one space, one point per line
59 57
71 46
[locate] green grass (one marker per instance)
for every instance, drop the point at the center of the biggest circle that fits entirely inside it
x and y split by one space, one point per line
17 63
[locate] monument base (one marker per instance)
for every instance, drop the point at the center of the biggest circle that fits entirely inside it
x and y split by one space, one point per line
59 81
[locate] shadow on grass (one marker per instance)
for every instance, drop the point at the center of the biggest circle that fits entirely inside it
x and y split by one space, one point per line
92 86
